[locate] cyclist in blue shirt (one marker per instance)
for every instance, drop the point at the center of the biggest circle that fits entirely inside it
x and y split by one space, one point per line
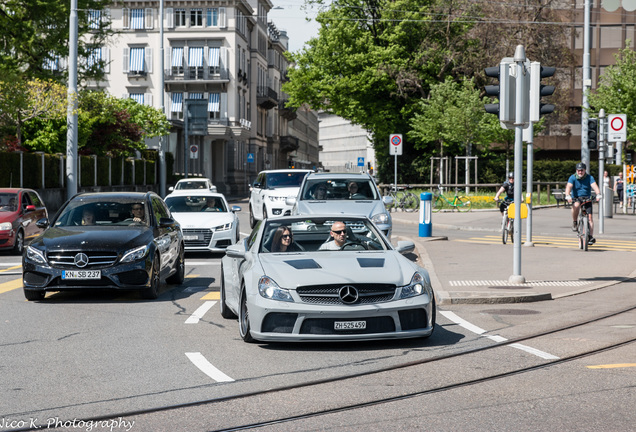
509 188
581 185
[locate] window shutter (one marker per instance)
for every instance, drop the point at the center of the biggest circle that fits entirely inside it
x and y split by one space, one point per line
149 16
148 99
223 58
126 59
106 18
125 18
148 52
169 17
106 59
222 18
223 107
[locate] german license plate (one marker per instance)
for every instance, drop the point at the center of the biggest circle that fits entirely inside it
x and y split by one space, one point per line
350 325
81 274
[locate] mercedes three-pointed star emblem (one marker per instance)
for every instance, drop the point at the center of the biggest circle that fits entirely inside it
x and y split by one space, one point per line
81 260
348 294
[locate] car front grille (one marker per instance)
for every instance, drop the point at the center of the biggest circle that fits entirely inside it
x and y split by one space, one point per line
329 294
203 237
325 326
96 259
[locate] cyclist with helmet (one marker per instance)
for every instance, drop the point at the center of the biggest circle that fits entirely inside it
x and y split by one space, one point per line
580 185
509 188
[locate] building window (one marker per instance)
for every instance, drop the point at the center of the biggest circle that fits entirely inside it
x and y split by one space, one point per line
137 97
136 19
176 108
195 62
52 63
177 61
196 17
214 60
212 17
137 56
180 17
214 106
94 18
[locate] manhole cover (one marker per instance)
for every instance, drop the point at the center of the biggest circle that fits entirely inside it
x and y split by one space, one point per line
511 312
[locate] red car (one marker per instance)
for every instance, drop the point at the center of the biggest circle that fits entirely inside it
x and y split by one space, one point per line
20 209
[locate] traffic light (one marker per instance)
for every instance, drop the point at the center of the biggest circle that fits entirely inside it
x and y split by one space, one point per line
592 133
504 91
537 90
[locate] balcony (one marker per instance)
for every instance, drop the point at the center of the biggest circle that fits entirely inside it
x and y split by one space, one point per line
266 97
286 113
198 74
288 144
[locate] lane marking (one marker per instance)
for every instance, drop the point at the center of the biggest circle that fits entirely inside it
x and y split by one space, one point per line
198 314
612 366
11 268
495 338
214 295
10 286
207 368
192 276
205 263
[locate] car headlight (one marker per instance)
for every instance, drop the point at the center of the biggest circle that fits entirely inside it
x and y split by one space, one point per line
135 254
269 289
276 198
35 255
380 218
5 226
227 226
417 286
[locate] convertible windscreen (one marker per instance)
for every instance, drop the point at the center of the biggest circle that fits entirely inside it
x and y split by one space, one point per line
309 235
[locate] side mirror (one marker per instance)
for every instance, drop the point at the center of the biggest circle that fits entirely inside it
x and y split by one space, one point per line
165 222
405 246
235 251
387 200
171 188
257 185
42 223
235 209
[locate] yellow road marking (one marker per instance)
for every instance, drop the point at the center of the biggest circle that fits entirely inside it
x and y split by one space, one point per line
212 296
192 276
11 285
613 366
11 268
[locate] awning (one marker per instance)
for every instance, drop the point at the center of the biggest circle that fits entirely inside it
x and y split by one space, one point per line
94 17
214 57
136 18
137 97
195 95
195 57
94 56
177 102
136 60
52 64
177 56
213 102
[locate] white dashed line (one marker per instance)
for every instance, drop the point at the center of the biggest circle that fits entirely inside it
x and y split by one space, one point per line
498 339
207 368
198 314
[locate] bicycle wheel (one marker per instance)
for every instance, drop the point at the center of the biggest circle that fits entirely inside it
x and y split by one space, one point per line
586 232
462 204
438 203
411 202
511 230
504 230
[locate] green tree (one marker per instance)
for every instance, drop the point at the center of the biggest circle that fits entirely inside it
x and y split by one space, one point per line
35 32
616 92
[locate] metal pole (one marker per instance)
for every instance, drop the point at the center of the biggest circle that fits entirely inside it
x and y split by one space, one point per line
587 83
162 139
395 173
186 144
529 181
71 112
520 99
601 171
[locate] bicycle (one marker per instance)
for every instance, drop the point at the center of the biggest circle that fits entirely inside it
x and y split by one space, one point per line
507 224
403 199
583 223
461 203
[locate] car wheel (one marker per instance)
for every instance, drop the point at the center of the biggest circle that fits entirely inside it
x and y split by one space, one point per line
18 247
179 276
243 318
225 311
252 220
31 295
152 292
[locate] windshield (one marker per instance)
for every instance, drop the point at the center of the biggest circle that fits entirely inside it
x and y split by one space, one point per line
192 184
339 189
8 202
103 212
195 204
286 179
311 235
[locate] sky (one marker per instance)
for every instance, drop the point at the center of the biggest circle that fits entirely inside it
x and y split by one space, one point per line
289 15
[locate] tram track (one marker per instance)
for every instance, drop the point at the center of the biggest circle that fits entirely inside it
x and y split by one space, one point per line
384 400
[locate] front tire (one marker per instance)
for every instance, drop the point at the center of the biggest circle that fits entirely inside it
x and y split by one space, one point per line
18 247
225 311
152 292
32 295
252 219
438 203
504 231
179 276
243 318
463 205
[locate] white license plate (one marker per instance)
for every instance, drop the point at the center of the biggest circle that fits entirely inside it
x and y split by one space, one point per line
81 274
349 325
191 237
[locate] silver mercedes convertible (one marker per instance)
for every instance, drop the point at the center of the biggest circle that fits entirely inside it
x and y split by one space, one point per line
324 278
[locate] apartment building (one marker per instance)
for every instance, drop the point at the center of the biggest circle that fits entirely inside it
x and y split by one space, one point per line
221 64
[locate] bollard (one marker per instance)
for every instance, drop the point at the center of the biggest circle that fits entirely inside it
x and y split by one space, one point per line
426 211
607 201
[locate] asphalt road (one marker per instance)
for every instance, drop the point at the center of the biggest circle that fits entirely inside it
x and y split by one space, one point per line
78 356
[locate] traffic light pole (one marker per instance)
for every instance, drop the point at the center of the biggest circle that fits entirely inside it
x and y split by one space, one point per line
521 97
587 83
601 171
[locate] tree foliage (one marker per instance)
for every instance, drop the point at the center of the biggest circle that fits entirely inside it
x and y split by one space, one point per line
616 92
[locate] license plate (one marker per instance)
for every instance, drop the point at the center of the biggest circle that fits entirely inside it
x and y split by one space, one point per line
349 325
81 274
191 237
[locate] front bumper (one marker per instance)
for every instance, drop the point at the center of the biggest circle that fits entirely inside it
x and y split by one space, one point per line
207 240
276 321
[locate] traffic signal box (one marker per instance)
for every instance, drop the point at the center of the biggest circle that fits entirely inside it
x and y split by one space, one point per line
537 90
592 133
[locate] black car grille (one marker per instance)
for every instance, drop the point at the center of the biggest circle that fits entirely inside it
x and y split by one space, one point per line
96 259
329 294
325 326
204 237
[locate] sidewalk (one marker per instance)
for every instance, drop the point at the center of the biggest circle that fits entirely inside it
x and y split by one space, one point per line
480 272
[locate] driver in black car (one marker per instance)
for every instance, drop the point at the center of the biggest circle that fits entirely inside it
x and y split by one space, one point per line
339 234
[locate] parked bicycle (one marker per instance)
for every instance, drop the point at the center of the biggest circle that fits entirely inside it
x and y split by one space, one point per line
507 223
461 203
583 223
404 200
